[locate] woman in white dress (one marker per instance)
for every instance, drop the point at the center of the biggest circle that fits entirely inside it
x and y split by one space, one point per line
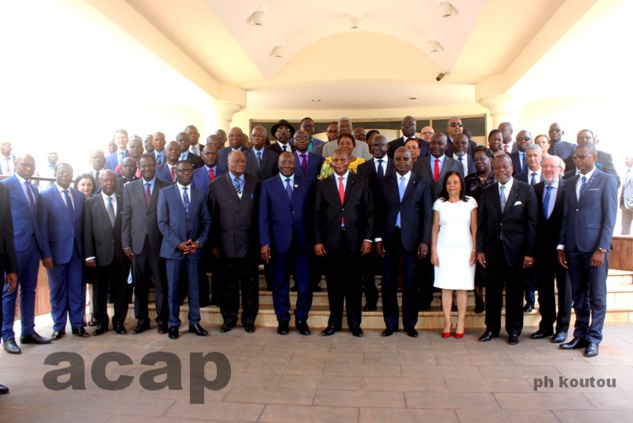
453 248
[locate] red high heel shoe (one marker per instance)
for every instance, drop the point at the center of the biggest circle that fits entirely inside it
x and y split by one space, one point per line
447 334
459 335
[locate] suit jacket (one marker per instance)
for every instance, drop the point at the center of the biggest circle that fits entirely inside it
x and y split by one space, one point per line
101 240
8 258
318 150
471 146
424 168
25 223
268 168
59 229
416 211
120 184
626 199
425 149
588 223
470 163
514 228
360 150
315 142
527 177
276 147
176 227
548 229
201 178
604 162
315 162
223 157
140 220
516 163
357 210
368 170
162 172
2 169
194 159
234 228
281 219
113 160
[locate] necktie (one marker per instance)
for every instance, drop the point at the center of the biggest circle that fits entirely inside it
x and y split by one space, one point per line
97 176
341 194
159 158
238 186
436 171
402 186
304 164
283 148
183 156
7 168
211 174
121 156
110 210
523 163
259 160
380 172
288 189
172 173
506 148
147 193
185 200
503 197
534 181
583 186
29 193
69 204
546 199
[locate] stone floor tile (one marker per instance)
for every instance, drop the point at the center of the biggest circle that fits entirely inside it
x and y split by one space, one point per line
320 382
487 416
274 413
270 395
215 411
332 397
543 401
381 415
452 400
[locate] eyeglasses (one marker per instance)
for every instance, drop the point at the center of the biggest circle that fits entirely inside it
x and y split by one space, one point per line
302 138
579 156
523 138
283 130
427 133
184 170
454 124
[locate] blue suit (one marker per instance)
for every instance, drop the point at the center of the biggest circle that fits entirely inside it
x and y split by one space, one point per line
112 161
285 226
162 172
30 248
314 142
176 226
587 225
315 162
201 178
63 233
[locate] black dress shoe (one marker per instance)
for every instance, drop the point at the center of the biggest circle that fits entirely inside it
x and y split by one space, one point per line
370 307
592 349
293 289
559 337
513 339
330 330
98 331
35 338
163 328
282 328
316 289
540 334
11 347
226 326
81 332
412 332
249 328
140 329
389 331
487 336
425 307
480 308
528 308
198 330
57 334
120 329
357 331
173 332
574 344
3 390
303 328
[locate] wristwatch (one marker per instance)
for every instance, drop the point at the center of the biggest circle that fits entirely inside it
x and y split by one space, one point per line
602 250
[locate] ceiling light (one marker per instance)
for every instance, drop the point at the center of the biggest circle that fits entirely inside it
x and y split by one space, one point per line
354 19
446 9
278 52
258 18
316 100
435 46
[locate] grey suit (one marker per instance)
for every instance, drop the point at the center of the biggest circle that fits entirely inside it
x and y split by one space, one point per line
268 167
424 168
360 150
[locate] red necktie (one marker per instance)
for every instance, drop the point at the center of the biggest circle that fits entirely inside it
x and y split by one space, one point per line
211 174
172 173
506 148
147 194
304 165
341 194
436 171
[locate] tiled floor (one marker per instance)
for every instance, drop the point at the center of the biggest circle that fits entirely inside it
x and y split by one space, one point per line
335 379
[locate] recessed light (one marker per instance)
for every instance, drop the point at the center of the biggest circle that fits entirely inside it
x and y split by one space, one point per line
413 98
316 100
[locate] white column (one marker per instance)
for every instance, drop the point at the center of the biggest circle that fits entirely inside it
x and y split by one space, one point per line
503 108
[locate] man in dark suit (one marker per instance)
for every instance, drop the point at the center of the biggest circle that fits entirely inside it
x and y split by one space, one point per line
403 231
184 221
141 241
286 205
460 153
506 233
121 140
308 165
519 159
97 163
408 128
30 248
604 161
343 230
558 147
282 131
102 248
261 161
235 144
455 127
158 141
232 201
508 146
183 139
550 194
202 176
307 125
128 174
374 170
590 208
167 171
8 259
332 136
61 225
7 160
194 136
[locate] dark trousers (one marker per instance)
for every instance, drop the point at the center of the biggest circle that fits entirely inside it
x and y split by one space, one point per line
394 252
174 270
530 286
425 278
239 273
28 267
369 264
512 278
589 290
282 264
68 292
549 270
145 265
344 286
116 274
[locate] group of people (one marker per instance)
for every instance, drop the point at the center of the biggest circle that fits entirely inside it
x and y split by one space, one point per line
436 211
